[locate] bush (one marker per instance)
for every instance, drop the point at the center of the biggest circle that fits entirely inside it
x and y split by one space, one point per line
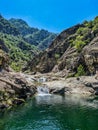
16 66
79 43
57 56
95 28
82 31
80 71
95 20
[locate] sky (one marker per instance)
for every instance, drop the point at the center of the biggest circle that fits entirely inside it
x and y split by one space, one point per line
53 15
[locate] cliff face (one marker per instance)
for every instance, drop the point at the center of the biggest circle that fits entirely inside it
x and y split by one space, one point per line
67 51
4 60
90 53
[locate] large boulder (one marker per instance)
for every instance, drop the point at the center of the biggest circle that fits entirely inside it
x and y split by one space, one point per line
14 88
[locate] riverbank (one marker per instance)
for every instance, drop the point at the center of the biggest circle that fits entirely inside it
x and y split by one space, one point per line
15 88
81 85
84 85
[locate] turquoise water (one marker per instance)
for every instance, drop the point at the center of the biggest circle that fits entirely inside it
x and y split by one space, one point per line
53 113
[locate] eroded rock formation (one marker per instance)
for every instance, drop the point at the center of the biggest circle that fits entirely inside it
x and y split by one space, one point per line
14 87
90 53
73 50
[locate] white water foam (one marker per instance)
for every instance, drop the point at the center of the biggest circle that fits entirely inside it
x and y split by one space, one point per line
42 91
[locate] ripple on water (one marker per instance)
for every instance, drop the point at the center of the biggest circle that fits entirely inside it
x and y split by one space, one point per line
53 113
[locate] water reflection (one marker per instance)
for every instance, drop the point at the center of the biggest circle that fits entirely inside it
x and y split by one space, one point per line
72 100
53 112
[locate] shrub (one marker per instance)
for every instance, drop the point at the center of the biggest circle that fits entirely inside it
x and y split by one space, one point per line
57 56
80 71
95 28
16 67
79 44
95 20
82 31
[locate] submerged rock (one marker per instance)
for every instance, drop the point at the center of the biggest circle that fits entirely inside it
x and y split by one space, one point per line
17 101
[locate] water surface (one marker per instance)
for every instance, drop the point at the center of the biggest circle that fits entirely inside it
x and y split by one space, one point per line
53 113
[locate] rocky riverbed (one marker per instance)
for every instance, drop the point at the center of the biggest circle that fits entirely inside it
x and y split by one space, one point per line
84 85
15 88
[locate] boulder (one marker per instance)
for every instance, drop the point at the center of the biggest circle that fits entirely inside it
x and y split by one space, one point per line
14 88
17 101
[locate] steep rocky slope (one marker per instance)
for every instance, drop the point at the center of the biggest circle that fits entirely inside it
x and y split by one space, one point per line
14 87
68 52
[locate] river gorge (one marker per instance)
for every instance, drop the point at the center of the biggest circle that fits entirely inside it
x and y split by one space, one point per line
54 88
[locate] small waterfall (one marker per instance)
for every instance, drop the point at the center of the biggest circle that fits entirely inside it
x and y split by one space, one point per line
42 90
42 79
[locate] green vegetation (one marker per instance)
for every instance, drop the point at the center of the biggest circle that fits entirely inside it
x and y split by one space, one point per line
84 34
6 27
79 43
95 28
40 38
68 49
19 50
57 56
22 42
82 37
80 71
